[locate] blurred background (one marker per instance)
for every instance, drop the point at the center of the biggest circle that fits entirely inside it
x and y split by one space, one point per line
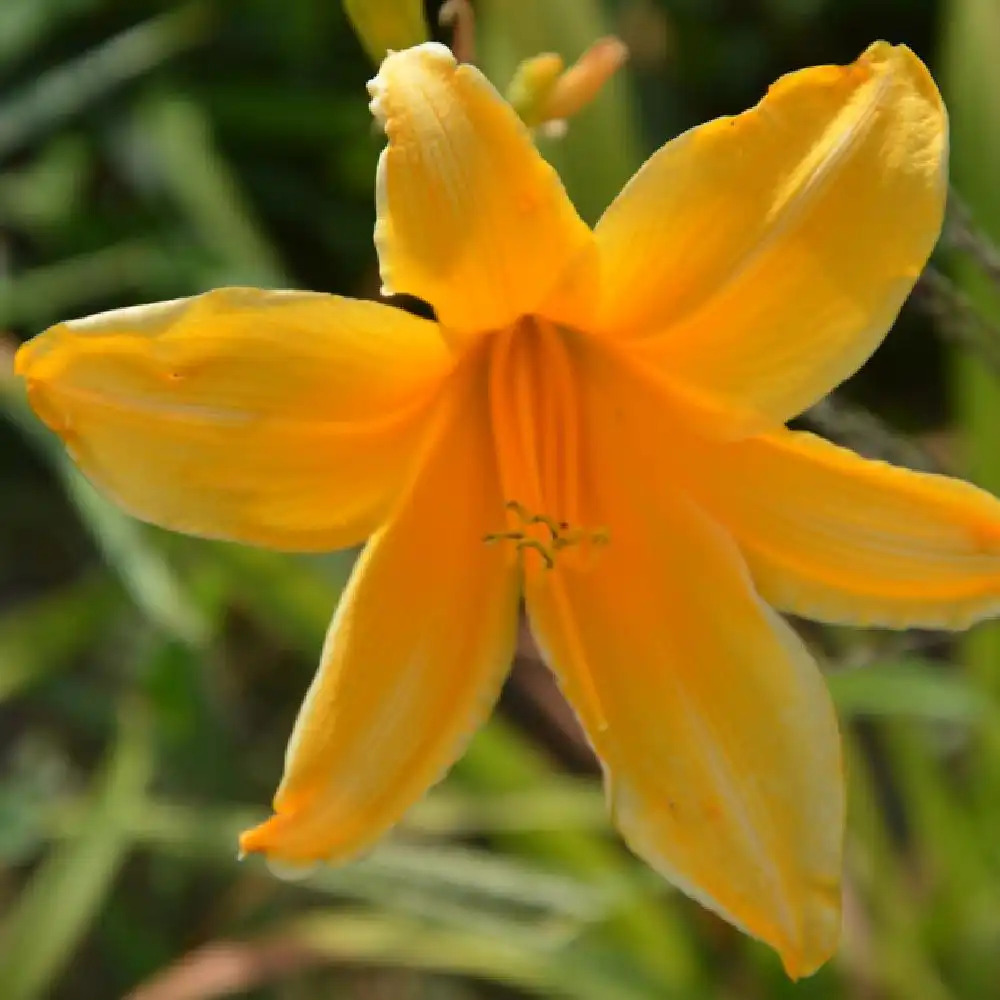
148 682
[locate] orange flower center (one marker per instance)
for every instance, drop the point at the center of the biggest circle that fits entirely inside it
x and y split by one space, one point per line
535 413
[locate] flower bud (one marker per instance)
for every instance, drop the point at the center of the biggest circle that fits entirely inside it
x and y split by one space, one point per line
543 92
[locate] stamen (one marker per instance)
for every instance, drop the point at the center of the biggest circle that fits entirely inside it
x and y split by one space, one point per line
527 517
503 536
562 535
516 507
533 543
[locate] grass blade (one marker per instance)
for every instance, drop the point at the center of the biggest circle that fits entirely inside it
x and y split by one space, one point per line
64 895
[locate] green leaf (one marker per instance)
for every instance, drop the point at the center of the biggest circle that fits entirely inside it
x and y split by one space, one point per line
44 294
911 687
382 939
200 180
69 88
41 636
482 880
142 569
55 910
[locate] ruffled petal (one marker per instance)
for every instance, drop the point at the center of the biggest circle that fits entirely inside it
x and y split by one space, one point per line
281 419
759 260
470 217
833 536
712 721
414 658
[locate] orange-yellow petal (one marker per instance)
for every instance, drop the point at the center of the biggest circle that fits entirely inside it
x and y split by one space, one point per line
414 658
713 723
283 419
470 217
759 260
834 536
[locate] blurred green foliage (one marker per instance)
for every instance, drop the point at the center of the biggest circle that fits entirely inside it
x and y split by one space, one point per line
148 682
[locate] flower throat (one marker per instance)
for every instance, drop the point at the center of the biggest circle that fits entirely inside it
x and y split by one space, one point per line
536 420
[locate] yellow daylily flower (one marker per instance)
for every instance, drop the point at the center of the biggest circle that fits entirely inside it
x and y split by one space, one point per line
593 425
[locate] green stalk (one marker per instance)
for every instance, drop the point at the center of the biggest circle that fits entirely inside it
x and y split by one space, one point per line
64 896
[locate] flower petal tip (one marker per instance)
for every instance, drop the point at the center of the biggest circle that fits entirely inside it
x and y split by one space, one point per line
29 357
272 839
266 839
818 933
881 51
258 840
402 71
33 362
428 55
22 359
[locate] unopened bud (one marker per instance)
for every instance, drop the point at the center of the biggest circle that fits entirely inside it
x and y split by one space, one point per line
543 92
534 80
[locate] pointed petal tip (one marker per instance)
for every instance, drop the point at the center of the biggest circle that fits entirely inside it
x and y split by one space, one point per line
272 839
907 63
835 537
881 51
258 839
799 917
30 353
36 363
818 932
426 52
294 843
22 359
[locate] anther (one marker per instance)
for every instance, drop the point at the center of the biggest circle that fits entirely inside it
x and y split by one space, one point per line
562 535
516 507
555 527
549 522
540 548
503 536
